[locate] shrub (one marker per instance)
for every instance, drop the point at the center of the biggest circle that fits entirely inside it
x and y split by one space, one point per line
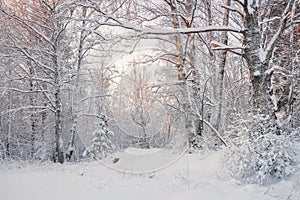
259 152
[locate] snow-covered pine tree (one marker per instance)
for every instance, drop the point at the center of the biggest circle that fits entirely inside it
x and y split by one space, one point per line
102 144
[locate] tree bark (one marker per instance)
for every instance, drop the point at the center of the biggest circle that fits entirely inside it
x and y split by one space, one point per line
59 152
182 69
71 145
257 57
32 115
221 70
9 133
256 67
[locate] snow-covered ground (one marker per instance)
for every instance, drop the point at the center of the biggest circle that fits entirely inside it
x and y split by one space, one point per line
158 174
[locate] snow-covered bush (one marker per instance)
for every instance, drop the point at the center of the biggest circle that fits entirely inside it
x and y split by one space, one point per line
102 144
259 152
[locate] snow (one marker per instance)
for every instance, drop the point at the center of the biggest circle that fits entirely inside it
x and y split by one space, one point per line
249 7
192 176
257 73
167 31
262 55
274 101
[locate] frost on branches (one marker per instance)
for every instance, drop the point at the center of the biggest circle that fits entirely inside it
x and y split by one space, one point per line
102 144
259 153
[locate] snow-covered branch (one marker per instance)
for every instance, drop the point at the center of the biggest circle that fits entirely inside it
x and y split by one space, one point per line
15 110
283 23
232 9
170 31
28 26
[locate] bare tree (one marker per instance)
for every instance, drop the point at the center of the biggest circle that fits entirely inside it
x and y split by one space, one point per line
47 51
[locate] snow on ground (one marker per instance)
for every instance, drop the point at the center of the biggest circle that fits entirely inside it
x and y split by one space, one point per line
168 175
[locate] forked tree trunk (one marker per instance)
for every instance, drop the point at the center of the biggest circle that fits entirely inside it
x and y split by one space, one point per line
258 58
80 54
182 68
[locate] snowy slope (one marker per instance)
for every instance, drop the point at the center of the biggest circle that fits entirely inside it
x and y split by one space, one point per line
168 175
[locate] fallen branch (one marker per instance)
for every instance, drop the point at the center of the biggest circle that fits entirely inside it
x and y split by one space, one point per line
215 131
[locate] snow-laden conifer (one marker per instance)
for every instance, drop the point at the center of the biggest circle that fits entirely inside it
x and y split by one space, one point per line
102 144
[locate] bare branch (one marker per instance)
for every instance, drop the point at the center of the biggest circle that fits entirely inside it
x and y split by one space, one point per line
282 26
232 9
171 31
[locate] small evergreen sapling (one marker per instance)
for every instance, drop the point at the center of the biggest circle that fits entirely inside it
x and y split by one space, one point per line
102 144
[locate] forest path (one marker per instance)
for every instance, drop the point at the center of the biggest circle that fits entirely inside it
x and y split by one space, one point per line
193 176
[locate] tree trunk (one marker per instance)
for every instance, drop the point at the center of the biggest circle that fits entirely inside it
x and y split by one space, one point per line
221 70
32 115
182 68
59 152
71 145
9 134
258 55
257 68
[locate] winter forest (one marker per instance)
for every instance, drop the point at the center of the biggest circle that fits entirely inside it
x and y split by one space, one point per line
180 97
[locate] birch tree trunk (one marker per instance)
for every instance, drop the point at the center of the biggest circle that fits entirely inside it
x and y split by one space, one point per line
182 69
221 63
9 133
59 152
75 92
33 111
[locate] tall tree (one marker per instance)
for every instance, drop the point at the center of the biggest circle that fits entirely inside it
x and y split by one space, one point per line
259 49
42 40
